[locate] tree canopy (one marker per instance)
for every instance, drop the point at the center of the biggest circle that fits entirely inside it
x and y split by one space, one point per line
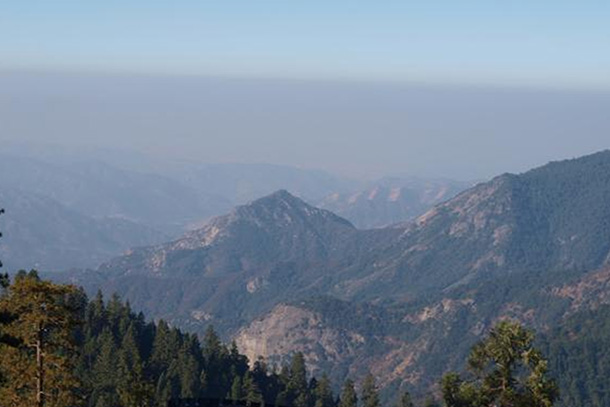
505 370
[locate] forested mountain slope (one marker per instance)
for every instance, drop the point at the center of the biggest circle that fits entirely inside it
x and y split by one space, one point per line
239 265
549 219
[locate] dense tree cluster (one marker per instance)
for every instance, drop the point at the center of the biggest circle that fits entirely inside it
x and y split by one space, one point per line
58 349
101 354
579 358
127 361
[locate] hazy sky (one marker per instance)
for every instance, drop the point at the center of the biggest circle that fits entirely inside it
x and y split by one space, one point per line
462 89
560 43
361 129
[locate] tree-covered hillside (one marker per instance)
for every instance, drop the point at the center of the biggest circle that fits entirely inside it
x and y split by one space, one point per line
579 358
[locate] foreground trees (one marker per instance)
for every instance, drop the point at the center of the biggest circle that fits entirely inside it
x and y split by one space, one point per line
58 350
38 363
507 372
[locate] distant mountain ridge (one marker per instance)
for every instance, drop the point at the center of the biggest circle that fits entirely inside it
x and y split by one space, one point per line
41 233
165 197
391 200
118 207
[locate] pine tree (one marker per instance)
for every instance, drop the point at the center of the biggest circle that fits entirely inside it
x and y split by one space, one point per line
348 395
95 316
236 393
508 372
214 354
104 381
323 393
133 389
40 370
239 362
114 310
268 383
370 396
5 316
162 352
252 394
163 390
284 397
297 384
189 367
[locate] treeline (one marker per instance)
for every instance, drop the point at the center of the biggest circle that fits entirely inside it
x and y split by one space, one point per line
102 354
58 349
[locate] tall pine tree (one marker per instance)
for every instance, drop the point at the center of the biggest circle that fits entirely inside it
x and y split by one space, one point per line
323 393
508 371
349 397
370 396
40 369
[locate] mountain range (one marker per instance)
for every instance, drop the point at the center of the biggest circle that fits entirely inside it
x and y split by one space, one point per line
41 233
79 209
404 302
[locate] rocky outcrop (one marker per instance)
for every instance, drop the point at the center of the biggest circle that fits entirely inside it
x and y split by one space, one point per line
288 329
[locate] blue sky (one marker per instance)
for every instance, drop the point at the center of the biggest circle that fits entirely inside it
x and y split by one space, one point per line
526 43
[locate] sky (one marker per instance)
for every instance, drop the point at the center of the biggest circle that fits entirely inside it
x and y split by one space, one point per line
457 89
556 43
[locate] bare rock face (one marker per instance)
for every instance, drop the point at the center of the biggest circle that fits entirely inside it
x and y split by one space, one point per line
329 348
341 348
589 292
288 329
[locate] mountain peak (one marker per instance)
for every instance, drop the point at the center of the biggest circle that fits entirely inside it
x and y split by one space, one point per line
280 196
281 207
252 238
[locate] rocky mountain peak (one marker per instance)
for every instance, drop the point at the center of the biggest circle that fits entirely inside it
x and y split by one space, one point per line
276 228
